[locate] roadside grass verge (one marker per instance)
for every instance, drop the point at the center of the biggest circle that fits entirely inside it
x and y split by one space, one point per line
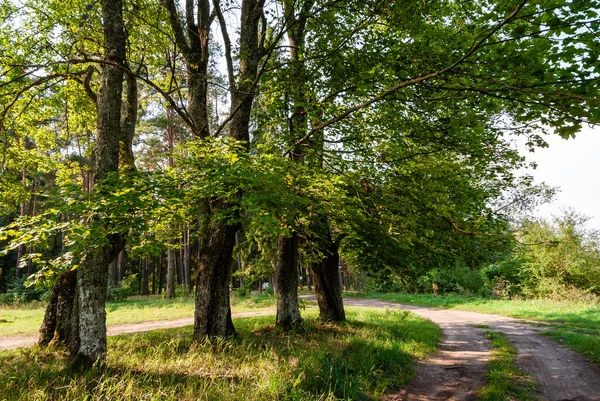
587 344
359 360
26 319
575 314
504 380
574 324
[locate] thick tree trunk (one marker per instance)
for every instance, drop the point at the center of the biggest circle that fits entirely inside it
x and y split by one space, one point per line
92 281
212 316
92 278
328 286
288 311
57 327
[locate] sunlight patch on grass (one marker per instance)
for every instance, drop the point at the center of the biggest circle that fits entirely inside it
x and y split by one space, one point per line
25 320
370 354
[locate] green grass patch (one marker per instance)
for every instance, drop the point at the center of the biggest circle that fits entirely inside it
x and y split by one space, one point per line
575 314
504 380
26 319
587 344
362 359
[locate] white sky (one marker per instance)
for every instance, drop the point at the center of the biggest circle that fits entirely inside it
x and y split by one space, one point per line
574 166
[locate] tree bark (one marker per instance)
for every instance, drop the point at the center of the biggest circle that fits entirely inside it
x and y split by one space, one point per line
57 327
328 286
92 278
212 316
120 265
288 311
186 261
112 273
170 271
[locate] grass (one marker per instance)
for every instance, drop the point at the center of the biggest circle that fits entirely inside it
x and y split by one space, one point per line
586 344
362 359
26 319
574 324
504 380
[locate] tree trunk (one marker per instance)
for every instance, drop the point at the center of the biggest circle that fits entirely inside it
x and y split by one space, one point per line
153 275
212 316
92 277
170 271
288 311
160 274
22 213
92 281
112 273
186 261
145 287
120 266
58 327
328 286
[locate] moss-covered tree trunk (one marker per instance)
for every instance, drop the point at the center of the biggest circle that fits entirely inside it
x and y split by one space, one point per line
212 316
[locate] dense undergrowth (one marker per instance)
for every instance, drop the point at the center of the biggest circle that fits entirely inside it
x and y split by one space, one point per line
362 359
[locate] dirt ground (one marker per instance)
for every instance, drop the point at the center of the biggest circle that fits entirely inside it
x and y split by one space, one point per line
457 371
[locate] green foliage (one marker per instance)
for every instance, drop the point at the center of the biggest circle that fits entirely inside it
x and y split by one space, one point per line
126 288
460 280
557 257
19 293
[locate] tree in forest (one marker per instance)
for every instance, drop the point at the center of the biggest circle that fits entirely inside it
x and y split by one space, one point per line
378 131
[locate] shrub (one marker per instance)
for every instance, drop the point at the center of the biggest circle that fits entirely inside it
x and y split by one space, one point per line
19 293
123 290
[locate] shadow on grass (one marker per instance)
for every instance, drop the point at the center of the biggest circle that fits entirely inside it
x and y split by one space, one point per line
360 359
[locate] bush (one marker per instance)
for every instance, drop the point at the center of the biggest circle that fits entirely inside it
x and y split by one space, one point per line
561 257
123 290
19 293
461 281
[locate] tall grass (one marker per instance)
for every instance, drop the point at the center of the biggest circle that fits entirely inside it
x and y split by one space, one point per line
371 354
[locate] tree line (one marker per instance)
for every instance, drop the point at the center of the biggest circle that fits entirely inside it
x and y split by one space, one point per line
273 132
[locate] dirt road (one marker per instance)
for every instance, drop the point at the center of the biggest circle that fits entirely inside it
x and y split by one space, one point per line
457 371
